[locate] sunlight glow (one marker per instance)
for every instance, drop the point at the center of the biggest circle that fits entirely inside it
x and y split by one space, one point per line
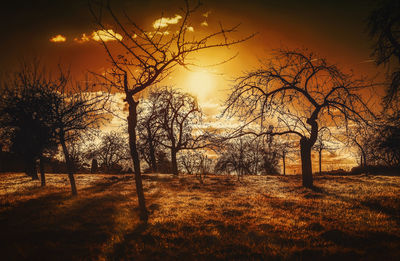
201 84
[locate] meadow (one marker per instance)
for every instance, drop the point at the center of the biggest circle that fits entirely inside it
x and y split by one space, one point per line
259 218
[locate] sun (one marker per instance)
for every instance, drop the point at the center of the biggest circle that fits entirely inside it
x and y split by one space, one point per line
201 84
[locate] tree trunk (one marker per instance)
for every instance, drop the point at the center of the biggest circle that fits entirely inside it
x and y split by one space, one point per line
94 168
320 162
132 123
174 162
42 175
30 168
284 163
153 161
364 156
306 166
70 167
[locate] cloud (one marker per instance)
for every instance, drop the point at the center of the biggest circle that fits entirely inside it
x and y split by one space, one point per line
163 33
206 14
106 35
58 38
84 38
190 28
204 23
164 21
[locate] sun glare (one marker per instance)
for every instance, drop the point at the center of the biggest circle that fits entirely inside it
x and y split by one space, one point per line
201 84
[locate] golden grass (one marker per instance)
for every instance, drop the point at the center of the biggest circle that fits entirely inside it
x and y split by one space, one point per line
267 217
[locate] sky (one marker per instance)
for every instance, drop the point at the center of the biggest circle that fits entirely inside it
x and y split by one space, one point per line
331 28
62 32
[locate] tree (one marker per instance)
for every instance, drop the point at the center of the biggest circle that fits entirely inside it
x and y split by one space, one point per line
360 136
384 142
298 93
149 129
234 158
76 109
25 113
145 58
246 156
94 166
111 151
196 162
384 29
178 116
285 148
321 145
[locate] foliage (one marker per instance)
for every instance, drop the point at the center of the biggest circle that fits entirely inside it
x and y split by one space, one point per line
384 30
27 120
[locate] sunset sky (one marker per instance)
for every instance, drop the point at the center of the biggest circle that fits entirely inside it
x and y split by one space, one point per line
63 32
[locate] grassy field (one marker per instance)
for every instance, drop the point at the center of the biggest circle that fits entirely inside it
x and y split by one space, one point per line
268 217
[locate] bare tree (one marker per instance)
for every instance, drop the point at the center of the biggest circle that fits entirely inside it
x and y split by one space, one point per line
196 162
284 149
111 151
149 128
319 146
76 109
322 145
246 156
178 116
359 136
298 93
190 162
234 158
145 58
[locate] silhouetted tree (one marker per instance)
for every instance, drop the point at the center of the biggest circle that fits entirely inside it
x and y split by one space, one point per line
299 93
111 151
149 128
178 116
94 166
245 156
384 142
144 59
384 29
234 158
76 110
196 162
163 162
360 136
284 149
322 145
26 115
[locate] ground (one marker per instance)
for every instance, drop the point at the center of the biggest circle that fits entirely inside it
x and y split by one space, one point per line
260 218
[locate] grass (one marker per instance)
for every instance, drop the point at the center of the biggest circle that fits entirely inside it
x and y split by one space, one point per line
267 217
